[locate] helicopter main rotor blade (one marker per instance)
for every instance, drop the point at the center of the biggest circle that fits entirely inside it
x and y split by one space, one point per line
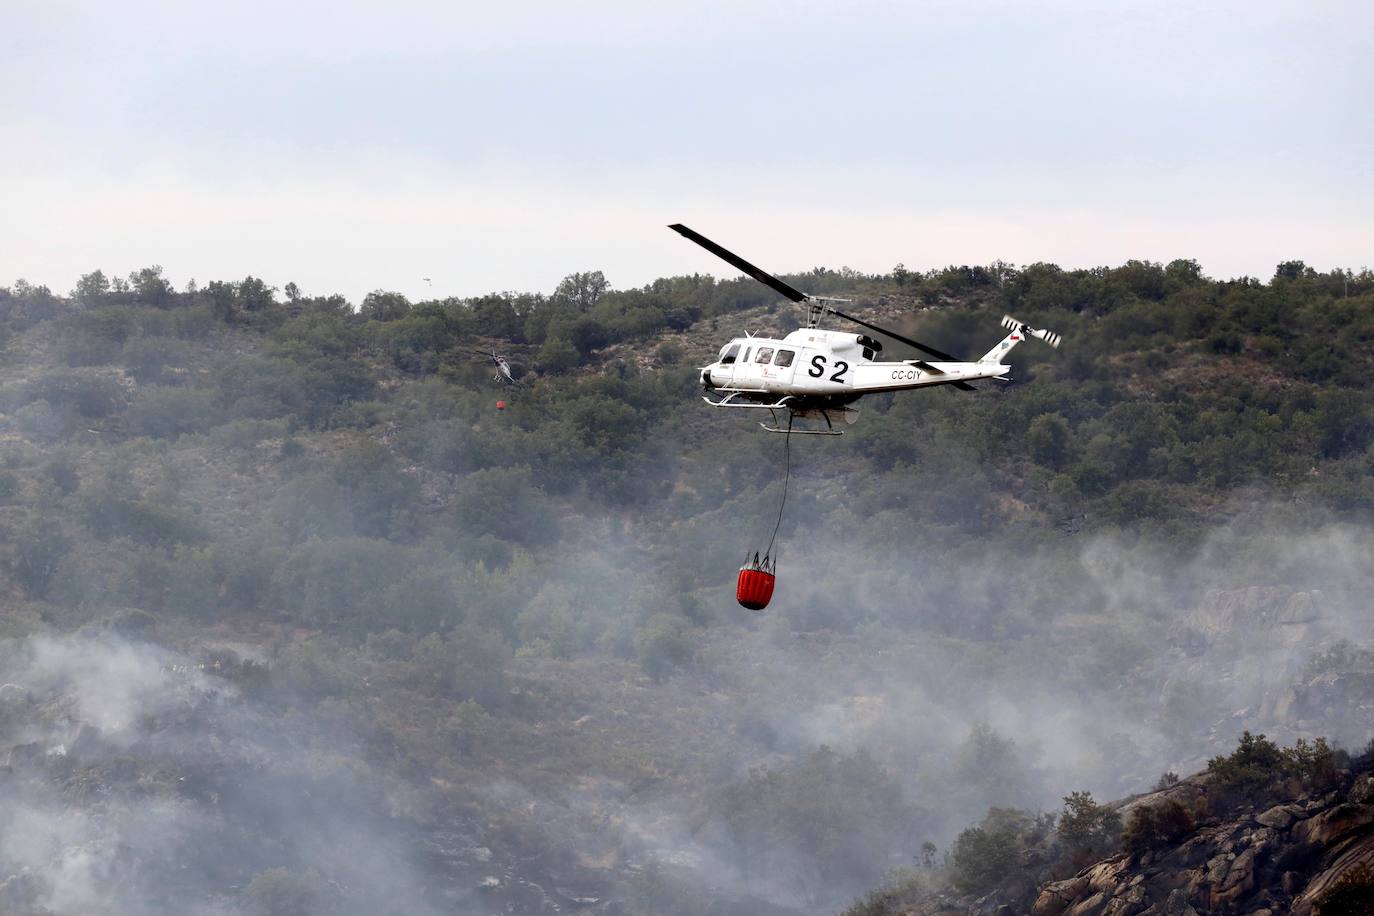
796 295
906 340
735 260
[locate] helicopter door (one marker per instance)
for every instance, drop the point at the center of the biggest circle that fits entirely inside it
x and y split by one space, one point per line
746 373
783 366
723 375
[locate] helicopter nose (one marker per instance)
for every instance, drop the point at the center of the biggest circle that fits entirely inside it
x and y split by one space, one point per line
706 377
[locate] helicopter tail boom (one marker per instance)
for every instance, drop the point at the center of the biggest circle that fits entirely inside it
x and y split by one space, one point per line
1019 332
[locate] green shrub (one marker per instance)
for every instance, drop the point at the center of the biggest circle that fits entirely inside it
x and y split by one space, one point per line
984 857
41 421
165 413
90 393
1256 763
505 503
670 353
145 522
1087 826
1166 780
96 337
557 356
665 644
62 472
1160 824
901 889
1315 764
1048 440
37 551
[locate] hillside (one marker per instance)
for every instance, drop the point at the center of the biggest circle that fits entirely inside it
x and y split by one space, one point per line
285 595
1262 831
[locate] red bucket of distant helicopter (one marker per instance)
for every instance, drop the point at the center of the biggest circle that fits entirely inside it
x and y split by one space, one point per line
755 588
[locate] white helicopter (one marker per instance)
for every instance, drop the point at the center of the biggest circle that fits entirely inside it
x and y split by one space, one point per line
502 367
817 373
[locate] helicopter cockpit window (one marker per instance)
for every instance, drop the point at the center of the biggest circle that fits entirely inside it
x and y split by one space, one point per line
728 355
784 359
764 356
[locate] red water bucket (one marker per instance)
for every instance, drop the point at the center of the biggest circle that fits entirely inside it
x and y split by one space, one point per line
755 588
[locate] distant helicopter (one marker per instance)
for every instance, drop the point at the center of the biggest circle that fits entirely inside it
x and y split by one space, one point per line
502 367
761 373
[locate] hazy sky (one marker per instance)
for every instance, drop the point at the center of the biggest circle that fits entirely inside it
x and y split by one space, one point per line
489 146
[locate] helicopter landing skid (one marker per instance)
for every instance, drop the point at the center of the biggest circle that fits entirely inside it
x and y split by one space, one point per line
729 401
783 403
802 432
829 430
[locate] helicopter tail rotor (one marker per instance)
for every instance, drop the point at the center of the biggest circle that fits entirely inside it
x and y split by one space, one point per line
1019 332
1049 337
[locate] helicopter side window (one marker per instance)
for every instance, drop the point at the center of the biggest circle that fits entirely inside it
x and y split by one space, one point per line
745 358
764 356
783 359
729 354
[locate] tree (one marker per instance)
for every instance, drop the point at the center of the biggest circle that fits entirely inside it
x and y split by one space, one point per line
1087 826
1290 270
222 298
1255 763
557 356
1183 270
984 856
588 334
149 287
496 316
253 295
1048 440
379 305
928 849
582 290
505 503
92 289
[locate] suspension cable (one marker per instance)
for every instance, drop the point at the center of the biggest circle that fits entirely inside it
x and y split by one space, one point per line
787 476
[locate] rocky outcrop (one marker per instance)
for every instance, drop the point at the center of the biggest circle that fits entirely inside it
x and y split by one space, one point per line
1278 858
1266 617
1285 855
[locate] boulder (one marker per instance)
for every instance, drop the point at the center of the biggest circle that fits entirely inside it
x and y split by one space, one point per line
1218 866
1325 828
1178 905
1056 897
1105 876
1358 856
1239 880
1091 906
1278 817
